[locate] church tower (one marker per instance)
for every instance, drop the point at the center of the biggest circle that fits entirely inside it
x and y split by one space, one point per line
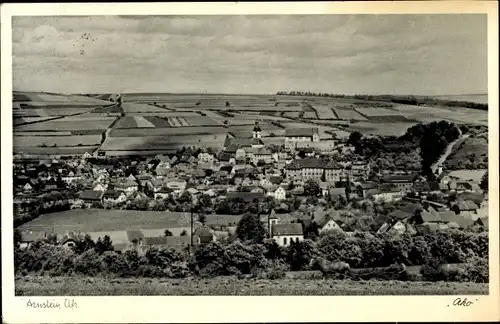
256 130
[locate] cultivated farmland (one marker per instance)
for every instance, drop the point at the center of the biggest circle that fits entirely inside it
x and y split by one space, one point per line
348 114
69 124
167 143
72 140
173 131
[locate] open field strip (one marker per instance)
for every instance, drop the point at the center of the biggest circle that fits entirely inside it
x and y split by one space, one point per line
142 122
64 150
348 114
383 129
72 140
135 107
165 113
376 111
163 142
173 131
63 125
44 133
227 286
101 220
324 111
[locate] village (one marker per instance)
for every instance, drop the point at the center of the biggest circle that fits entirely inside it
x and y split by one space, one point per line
291 187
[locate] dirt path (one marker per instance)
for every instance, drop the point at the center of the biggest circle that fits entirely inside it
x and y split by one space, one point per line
448 151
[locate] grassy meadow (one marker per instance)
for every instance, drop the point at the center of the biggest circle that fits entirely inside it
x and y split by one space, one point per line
223 286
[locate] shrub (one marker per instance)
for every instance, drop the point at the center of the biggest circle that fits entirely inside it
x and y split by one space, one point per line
299 254
209 260
87 263
162 257
114 263
336 246
177 269
244 259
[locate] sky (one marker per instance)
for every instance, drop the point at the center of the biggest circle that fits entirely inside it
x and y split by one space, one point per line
369 54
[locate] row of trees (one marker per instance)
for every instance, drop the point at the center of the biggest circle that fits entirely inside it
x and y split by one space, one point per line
406 100
252 256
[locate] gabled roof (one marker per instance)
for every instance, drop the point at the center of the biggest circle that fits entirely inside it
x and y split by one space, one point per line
159 240
400 214
287 229
91 195
301 132
112 194
30 236
246 196
134 235
430 217
130 183
337 192
367 185
399 178
467 205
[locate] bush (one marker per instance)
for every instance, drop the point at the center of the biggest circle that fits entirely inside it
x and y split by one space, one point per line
88 263
300 254
336 246
114 263
244 259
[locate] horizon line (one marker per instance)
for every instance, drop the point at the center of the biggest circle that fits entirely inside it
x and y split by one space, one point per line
263 94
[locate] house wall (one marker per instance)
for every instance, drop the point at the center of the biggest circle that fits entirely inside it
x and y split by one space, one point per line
330 225
286 239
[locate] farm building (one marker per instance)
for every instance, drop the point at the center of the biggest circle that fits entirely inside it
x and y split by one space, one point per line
91 196
315 169
295 135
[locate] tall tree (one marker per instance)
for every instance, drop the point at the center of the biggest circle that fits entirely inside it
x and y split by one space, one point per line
484 182
250 228
311 188
354 138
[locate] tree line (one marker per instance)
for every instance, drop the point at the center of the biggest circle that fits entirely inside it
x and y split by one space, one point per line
406 100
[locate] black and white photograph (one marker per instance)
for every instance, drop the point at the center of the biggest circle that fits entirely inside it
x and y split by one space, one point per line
250 155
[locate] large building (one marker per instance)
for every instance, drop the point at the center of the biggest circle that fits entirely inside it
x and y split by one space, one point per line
314 168
299 135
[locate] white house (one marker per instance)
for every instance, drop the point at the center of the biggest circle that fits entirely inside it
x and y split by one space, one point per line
177 185
100 187
278 194
327 223
114 196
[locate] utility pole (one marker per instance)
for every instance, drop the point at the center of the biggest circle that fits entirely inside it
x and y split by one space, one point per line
192 226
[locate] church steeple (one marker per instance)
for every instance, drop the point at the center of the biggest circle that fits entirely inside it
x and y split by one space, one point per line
256 130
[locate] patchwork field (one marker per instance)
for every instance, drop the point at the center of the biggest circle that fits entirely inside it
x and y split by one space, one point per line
206 114
227 286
